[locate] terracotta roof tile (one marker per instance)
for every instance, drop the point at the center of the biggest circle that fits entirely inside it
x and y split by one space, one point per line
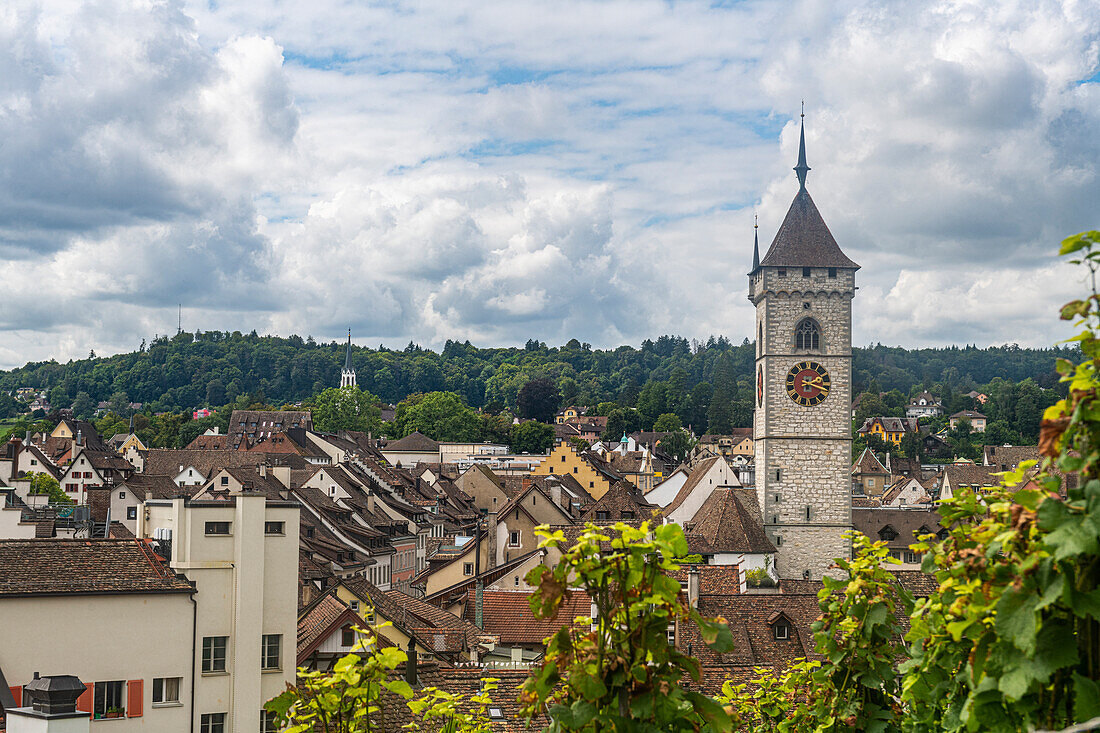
88 567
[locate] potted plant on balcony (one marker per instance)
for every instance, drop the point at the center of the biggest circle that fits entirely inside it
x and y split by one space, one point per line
113 713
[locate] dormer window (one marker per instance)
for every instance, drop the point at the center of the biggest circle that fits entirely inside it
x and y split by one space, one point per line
887 533
781 630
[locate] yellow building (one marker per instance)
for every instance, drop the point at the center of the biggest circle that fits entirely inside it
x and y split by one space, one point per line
889 429
592 472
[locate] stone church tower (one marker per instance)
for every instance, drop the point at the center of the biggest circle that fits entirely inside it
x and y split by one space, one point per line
347 374
803 290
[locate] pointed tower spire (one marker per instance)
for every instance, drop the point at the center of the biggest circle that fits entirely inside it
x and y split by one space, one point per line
755 242
347 374
347 354
801 169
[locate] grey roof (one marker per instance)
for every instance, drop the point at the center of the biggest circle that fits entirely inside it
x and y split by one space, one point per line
803 240
414 441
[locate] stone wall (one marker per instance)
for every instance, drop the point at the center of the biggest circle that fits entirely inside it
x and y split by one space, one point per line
809 446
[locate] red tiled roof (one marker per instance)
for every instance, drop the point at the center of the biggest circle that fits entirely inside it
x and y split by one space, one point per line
89 567
507 614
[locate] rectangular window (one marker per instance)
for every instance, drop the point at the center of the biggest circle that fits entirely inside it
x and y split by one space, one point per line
212 723
467 568
832 272
108 700
782 272
782 631
513 539
626 514
131 512
225 481
166 690
911 557
122 495
274 527
347 636
267 722
213 653
603 516
354 605
805 272
217 527
270 648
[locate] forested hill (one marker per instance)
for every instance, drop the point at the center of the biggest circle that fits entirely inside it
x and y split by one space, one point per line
215 368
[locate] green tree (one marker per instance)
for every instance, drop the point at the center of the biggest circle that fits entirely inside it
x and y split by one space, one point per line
45 484
622 421
83 406
677 446
720 413
538 400
345 408
617 671
442 416
531 436
667 422
870 405
215 393
119 404
652 403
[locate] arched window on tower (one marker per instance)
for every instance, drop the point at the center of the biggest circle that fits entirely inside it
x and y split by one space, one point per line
807 335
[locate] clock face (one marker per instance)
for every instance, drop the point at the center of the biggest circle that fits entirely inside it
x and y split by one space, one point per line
808 383
759 386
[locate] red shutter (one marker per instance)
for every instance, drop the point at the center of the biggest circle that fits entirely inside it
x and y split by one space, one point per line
134 699
17 693
84 702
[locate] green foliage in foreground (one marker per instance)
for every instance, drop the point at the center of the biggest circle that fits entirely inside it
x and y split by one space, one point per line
617 671
349 698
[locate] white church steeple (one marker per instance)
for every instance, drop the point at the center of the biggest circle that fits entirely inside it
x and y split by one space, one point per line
347 374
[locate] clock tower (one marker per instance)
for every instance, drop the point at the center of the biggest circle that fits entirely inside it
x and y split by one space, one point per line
803 289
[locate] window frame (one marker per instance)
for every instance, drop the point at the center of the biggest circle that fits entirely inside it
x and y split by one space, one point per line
470 567
100 692
785 627
213 529
280 530
212 722
266 641
210 658
163 693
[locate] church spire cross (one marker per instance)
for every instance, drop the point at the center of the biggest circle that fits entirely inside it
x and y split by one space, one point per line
802 169
755 242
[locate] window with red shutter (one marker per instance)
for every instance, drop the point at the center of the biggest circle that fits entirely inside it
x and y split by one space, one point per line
134 698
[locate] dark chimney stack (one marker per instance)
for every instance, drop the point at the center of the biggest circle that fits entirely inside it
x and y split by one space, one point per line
410 664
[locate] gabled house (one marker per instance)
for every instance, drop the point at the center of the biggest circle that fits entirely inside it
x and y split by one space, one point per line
899 529
512 528
869 476
924 405
976 419
707 475
889 429
623 502
906 492
728 530
93 468
591 471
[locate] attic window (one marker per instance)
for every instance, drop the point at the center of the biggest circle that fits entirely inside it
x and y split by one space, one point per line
627 514
496 713
805 272
604 516
832 272
781 630
887 533
467 568
225 481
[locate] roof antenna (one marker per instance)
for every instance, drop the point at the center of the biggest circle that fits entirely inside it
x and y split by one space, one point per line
801 169
179 322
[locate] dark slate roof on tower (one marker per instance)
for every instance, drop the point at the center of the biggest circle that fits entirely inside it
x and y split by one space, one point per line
803 240
347 354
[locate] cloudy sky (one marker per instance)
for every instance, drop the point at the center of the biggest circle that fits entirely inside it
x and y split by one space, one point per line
502 170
